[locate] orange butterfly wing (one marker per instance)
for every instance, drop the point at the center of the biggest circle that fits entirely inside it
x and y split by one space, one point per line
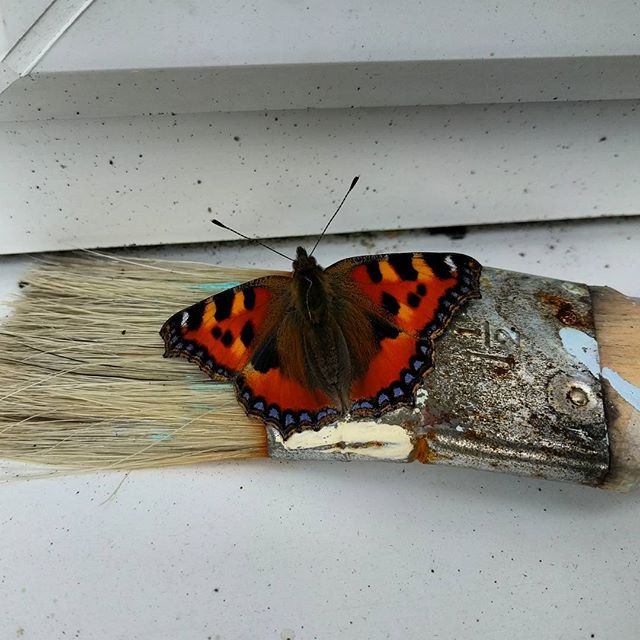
219 333
284 402
412 298
233 336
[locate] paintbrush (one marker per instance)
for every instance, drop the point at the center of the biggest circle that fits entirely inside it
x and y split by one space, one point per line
538 378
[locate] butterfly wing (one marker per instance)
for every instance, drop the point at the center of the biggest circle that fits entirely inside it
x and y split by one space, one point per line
220 333
246 334
274 385
407 299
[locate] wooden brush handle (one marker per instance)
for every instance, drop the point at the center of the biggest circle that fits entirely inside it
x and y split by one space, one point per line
617 322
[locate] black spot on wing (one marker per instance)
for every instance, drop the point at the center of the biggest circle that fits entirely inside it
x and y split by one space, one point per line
383 329
249 298
390 303
223 302
246 335
216 332
266 355
421 290
402 264
373 269
436 262
195 312
413 300
227 338
467 286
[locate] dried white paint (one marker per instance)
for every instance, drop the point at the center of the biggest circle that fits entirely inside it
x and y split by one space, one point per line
360 439
422 395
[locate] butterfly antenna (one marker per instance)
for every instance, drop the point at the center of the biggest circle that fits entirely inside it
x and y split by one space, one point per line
326 226
254 240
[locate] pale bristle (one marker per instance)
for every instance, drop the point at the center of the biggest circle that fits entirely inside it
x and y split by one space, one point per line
83 383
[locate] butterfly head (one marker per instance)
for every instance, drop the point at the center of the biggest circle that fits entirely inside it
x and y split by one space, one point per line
304 263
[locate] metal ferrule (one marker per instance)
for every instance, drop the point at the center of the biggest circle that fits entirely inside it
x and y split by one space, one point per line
515 388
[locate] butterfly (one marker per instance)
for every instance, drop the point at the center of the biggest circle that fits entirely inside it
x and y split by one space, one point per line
309 347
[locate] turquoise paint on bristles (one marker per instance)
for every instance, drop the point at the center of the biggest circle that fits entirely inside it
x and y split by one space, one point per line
214 286
211 385
160 437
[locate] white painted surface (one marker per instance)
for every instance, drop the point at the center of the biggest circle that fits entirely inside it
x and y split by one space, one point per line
114 58
43 34
98 176
326 550
17 16
119 34
156 180
101 94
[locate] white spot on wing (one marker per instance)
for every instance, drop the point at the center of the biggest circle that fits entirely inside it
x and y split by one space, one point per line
185 318
451 264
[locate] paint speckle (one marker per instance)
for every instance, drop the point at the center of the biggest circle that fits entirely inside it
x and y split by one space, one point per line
628 391
160 437
582 347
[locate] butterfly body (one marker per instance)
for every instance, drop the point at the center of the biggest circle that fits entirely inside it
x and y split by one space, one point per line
309 347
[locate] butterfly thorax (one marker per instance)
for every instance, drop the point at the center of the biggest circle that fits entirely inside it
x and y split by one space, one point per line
311 288
325 362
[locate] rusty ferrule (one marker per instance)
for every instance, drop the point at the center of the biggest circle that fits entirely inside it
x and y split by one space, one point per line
516 388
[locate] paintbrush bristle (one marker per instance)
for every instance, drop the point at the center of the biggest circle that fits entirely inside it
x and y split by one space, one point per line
83 383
